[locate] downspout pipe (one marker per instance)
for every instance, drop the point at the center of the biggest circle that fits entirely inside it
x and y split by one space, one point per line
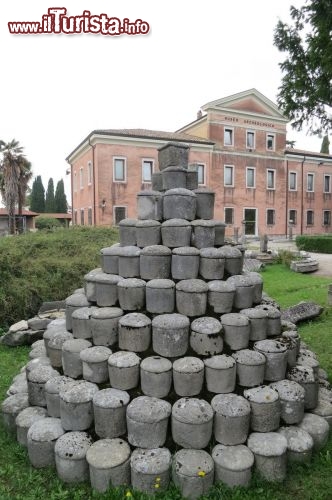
94 182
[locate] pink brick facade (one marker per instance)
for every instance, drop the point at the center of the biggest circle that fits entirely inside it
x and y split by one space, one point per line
240 142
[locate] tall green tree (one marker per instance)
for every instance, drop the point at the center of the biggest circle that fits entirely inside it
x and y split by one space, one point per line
15 173
50 200
325 147
37 199
305 93
61 205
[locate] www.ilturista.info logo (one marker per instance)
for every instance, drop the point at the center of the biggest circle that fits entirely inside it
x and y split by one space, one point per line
56 22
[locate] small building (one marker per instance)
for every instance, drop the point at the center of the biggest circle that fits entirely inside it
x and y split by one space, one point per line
26 221
63 218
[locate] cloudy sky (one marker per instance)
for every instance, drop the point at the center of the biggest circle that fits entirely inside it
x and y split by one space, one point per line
57 88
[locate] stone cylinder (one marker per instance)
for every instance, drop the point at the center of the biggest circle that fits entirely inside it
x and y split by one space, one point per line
233 464
191 297
188 376
231 420
127 233
250 367
131 294
211 264
257 281
25 419
150 470
37 379
104 324
317 427
90 283
109 258
155 262
193 472
185 263
176 233
71 361
170 335
192 421
147 421
109 464
273 320
257 323
70 457
203 233
109 409
206 336
220 374
134 332
179 203
156 376
149 205
205 203
51 389
41 439
106 289
219 229
174 177
33 363
157 181
95 363
299 444
265 408
74 301
291 395
81 326
123 370
148 233
304 359
236 330
76 410
221 296
244 291
270 450
11 407
160 296
291 346
129 262
306 378
294 336
276 358
192 179
233 260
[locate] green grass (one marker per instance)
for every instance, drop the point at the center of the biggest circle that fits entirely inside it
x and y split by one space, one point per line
20 481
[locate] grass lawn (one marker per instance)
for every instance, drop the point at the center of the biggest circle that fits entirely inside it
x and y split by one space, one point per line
19 481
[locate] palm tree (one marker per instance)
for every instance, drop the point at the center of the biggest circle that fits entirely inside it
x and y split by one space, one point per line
23 180
14 171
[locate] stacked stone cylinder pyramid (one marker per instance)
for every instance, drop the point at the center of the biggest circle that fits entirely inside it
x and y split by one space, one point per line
169 364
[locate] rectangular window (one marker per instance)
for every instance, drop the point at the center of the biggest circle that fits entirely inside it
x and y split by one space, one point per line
310 182
326 217
81 178
251 140
292 217
89 172
201 173
82 216
75 181
120 213
229 215
271 179
310 217
270 217
327 183
292 181
147 170
228 175
119 169
270 142
228 136
250 177
90 216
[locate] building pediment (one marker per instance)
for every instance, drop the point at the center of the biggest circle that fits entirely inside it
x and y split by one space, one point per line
250 103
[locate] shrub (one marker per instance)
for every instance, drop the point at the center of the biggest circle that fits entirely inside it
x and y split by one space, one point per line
42 222
38 267
319 244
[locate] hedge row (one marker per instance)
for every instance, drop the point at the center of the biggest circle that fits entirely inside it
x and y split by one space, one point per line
319 244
